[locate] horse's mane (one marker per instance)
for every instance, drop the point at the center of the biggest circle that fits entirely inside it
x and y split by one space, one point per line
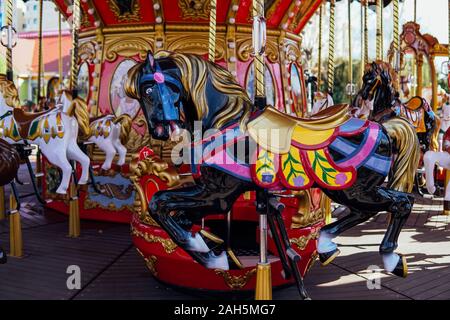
383 66
195 71
9 92
78 108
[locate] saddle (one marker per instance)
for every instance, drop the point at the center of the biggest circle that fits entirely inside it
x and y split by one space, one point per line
414 111
274 130
25 119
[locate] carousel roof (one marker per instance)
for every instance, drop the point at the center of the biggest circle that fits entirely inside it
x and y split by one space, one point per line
289 15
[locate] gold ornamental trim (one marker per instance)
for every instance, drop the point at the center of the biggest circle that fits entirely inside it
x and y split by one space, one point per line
196 43
168 245
86 51
150 262
236 282
302 242
133 16
128 48
194 9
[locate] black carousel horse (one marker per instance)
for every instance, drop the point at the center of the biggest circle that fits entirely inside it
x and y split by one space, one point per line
9 166
348 158
378 88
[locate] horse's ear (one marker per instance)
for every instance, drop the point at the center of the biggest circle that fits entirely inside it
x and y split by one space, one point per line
149 66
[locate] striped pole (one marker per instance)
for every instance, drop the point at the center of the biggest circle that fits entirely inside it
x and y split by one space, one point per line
74 58
319 71
258 17
366 32
212 31
350 60
379 49
40 59
9 23
330 83
60 62
396 45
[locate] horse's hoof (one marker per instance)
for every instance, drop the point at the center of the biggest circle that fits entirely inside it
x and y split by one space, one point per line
327 257
401 269
3 257
218 261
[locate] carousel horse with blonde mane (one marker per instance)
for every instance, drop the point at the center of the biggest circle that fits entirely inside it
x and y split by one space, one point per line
109 133
244 149
55 131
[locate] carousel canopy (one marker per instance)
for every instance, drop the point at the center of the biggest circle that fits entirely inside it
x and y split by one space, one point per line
289 15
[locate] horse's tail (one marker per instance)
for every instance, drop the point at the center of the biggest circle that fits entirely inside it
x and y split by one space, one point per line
78 108
406 144
434 138
125 127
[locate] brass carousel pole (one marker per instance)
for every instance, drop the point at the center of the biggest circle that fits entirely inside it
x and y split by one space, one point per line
366 32
263 289
74 213
330 82
379 48
447 172
350 86
8 12
319 63
60 60
396 45
40 58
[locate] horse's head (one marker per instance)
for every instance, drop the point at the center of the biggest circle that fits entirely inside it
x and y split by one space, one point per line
178 89
158 87
9 97
377 87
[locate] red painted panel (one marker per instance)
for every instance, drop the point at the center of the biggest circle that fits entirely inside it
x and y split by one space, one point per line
108 17
275 19
307 16
243 15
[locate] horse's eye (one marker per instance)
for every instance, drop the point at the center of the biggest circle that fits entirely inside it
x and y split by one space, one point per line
149 91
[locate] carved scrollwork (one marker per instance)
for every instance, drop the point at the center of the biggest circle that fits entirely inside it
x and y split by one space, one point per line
195 43
168 245
86 51
244 49
194 9
125 11
128 48
236 282
302 242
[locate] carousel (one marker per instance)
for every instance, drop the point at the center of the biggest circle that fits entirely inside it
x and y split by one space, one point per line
254 212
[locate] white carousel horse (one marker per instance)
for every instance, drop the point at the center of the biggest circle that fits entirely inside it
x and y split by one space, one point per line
442 158
445 119
321 102
109 133
55 131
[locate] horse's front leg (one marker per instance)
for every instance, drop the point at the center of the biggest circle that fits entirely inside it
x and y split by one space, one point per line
176 210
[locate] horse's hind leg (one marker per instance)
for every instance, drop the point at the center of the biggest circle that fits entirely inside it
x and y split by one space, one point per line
326 248
400 207
74 153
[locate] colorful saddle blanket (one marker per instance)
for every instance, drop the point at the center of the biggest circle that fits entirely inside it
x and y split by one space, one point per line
414 111
297 154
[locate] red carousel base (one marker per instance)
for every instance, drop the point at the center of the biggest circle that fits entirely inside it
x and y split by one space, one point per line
165 259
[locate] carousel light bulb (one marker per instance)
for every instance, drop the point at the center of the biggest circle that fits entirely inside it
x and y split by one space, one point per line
291 14
289 88
297 3
158 19
84 1
285 26
97 23
96 61
93 88
232 20
234 73
231 45
92 102
235 7
91 11
159 44
156 6
232 59
94 74
97 47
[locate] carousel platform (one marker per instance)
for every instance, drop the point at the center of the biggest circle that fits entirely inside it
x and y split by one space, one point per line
111 268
